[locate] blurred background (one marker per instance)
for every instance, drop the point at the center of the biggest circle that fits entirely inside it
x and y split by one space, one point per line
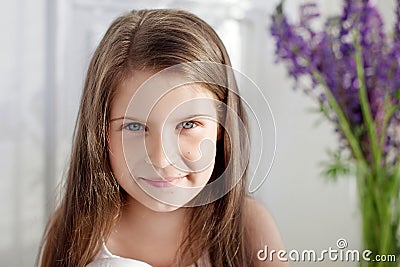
44 52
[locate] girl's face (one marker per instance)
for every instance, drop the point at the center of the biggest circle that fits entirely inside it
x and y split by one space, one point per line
162 143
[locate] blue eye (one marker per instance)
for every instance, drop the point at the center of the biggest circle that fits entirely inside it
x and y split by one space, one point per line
135 126
187 125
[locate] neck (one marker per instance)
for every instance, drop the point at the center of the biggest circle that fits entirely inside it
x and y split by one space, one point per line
138 215
140 232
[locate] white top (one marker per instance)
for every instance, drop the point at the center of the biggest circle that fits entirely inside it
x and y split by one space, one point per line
106 259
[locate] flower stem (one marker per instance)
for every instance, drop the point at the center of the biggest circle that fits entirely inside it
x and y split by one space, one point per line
343 122
366 111
390 110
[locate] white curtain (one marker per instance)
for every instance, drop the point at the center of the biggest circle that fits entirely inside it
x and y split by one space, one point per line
22 135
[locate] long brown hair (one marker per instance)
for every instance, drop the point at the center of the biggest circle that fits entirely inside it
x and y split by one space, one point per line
146 40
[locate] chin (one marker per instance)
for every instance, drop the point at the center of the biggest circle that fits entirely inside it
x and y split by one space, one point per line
168 199
158 206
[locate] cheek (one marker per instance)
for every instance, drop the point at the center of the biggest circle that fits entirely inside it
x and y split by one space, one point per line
190 147
197 153
134 151
115 151
118 160
119 156
198 150
116 156
200 179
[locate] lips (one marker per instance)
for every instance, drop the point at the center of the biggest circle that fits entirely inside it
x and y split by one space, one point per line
162 182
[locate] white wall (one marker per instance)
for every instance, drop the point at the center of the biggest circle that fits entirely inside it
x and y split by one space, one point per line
310 212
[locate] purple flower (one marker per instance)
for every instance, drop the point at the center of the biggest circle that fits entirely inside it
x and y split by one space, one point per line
290 46
331 53
396 31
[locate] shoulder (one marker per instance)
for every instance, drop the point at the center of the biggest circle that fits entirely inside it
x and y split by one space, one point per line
257 217
261 231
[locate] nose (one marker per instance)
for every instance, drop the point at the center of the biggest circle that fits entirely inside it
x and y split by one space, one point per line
158 152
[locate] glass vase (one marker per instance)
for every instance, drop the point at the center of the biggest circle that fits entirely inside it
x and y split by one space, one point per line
378 195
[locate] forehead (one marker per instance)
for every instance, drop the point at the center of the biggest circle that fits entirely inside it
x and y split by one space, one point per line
141 93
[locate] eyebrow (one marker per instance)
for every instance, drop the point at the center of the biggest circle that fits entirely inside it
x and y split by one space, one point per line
196 116
124 118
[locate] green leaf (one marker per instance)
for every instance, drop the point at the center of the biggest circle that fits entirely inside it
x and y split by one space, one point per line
397 94
336 165
323 111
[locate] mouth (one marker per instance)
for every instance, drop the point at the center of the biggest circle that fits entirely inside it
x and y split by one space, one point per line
162 182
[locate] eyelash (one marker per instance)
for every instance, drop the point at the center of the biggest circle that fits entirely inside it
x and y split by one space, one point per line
143 127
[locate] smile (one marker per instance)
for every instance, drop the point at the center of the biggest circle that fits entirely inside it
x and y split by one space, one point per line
162 182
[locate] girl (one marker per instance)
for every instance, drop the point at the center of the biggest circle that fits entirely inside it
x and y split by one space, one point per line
157 176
